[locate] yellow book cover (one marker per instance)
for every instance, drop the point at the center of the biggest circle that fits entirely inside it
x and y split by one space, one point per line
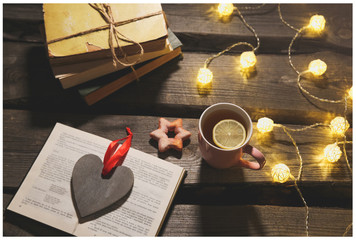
147 25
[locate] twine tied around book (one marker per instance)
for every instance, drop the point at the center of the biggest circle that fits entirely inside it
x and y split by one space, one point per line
114 35
105 11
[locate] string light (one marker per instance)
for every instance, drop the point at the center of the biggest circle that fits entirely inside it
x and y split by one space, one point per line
332 152
248 60
317 67
317 23
265 125
225 9
339 126
350 93
347 229
205 76
280 173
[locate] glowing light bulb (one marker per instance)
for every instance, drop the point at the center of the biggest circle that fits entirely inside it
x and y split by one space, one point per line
317 67
248 60
225 9
205 76
265 125
339 126
350 93
332 152
317 23
280 173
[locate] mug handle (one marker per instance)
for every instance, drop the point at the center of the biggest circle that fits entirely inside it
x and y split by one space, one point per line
254 152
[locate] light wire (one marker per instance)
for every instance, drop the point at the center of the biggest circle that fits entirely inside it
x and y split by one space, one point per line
254 49
285 129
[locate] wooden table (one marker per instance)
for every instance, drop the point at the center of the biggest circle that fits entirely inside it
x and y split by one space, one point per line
210 202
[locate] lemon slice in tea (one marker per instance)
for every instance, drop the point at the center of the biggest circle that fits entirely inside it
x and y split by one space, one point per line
229 134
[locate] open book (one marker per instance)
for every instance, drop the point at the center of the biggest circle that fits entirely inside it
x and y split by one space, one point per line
45 194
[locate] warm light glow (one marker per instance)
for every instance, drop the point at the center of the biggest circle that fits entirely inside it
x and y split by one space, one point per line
248 59
317 23
280 173
265 125
225 9
205 76
339 126
317 67
350 93
332 153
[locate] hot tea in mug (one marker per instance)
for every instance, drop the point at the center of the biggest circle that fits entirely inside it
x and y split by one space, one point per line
225 130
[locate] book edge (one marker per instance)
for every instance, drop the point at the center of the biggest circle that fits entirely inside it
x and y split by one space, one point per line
100 94
180 180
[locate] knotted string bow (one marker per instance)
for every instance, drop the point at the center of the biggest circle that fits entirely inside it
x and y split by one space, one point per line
105 10
106 13
115 158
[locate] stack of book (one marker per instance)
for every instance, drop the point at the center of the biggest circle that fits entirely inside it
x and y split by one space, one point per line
77 38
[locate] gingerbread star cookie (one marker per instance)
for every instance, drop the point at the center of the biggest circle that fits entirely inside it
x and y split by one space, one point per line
164 142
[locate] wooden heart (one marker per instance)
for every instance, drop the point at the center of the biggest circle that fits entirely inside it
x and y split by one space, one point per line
94 195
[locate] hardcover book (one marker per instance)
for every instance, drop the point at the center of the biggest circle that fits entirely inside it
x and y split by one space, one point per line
72 33
94 91
74 74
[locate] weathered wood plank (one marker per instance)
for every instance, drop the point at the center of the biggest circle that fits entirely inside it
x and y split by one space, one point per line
200 29
207 220
196 24
26 12
25 133
172 90
322 194
273 91
192 220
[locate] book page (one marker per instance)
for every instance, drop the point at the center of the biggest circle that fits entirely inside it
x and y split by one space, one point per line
141 215
45 194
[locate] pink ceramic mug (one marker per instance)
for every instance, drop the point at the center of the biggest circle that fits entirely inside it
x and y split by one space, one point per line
225 158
